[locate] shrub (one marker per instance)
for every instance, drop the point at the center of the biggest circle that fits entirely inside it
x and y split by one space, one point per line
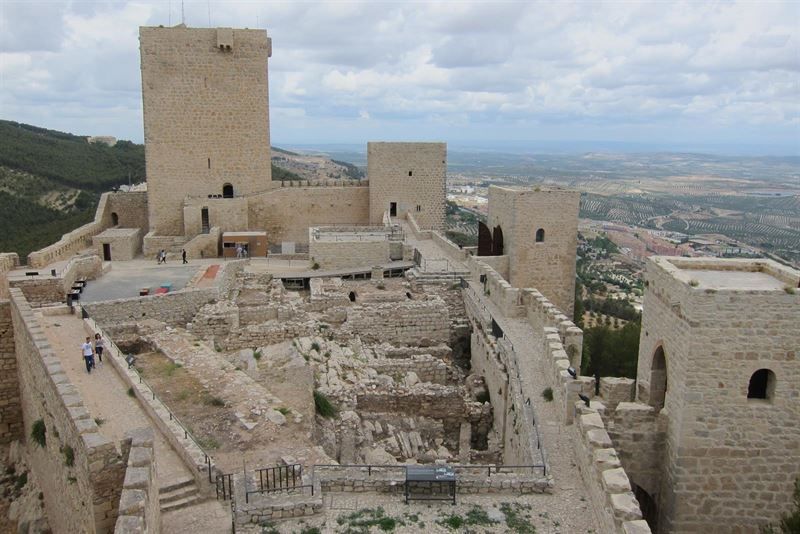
39 433
323 406
547 394
315 346
69 456
99 421
789 523
790 290
216 401
315 266
284 410
257 354
131 393
21 480
694 283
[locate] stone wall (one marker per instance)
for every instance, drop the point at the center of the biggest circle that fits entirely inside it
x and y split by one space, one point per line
75 241
615 507
83 496
413 322
8 262
130 208
287 213
426 367
261 508
229 214
638 434
729 462
10 409
175 309
204 245
206 116
139 509
412 175
330 255
124 243
547 265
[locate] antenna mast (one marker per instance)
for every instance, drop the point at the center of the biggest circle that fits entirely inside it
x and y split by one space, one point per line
183 19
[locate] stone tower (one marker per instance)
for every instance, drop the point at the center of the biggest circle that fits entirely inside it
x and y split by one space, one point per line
538 231
407 178
719 361
206 117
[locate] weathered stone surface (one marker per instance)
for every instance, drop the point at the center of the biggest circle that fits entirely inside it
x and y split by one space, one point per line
616 481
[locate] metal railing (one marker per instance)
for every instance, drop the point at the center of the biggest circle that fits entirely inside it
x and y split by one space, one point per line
489 468
224 486
123 361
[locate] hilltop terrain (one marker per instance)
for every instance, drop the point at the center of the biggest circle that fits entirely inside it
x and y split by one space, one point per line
51 181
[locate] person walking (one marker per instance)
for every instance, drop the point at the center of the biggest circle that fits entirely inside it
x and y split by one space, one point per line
163 256
88 354
99 344
183 256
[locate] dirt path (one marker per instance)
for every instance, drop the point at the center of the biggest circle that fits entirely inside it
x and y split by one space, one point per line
106 396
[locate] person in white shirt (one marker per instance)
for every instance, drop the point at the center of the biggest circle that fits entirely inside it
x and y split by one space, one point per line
88 354
99 344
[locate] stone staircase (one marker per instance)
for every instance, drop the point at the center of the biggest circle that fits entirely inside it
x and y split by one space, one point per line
179 494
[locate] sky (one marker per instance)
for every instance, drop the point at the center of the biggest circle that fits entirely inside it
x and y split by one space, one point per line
693 75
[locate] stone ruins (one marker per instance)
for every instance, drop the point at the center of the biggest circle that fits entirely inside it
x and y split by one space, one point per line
365 342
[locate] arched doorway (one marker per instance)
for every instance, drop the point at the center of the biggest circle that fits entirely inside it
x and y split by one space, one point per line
114 218
648 505
658 378
484 240
227 191
497 241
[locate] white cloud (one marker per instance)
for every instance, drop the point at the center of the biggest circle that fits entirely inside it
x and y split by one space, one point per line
461 69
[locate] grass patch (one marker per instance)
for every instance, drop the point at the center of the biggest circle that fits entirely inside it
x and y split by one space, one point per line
547 394
99 421
39 433
183 395
284 410
361 521
315 346
476 516
208 442
323 406
515 520
310 530
169 368
69 456
131 392
694 283
20 481
257 354
315 266
790 290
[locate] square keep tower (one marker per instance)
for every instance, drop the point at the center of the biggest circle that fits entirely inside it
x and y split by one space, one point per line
206 117
718 357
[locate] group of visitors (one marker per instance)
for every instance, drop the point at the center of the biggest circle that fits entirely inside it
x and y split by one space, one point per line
241 252
161 257
89 351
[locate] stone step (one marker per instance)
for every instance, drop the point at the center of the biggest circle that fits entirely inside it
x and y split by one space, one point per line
176 484
178 494
179 504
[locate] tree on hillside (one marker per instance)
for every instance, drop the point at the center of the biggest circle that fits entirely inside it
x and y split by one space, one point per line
608 352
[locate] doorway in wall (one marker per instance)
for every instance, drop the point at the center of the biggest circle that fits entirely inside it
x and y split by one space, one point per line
106 251
393 209
204 221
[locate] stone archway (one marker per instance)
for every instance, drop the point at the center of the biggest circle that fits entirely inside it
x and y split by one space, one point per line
648 506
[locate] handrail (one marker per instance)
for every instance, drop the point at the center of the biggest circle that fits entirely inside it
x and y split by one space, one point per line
488 467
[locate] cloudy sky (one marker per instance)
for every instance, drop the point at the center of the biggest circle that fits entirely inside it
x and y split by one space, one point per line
693 74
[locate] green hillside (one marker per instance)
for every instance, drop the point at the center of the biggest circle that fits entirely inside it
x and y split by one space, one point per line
51 181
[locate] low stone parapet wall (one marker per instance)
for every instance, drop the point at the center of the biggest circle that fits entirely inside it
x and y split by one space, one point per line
615 507
139 509
8 262
45 289
74 241
469 480
257 508
415 229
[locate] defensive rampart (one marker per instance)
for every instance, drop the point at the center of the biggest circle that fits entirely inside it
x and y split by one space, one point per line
10 408
80 471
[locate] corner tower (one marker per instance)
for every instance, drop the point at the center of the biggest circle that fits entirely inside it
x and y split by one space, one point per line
719 360
538 231
206 117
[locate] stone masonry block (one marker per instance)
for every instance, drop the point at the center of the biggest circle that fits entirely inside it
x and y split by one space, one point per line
599 439
636 527
625 507
616 481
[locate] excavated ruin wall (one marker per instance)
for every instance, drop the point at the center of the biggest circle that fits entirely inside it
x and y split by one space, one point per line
413 322
84 496
175 309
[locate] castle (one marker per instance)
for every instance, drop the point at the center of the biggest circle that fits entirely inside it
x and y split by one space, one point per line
435 354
